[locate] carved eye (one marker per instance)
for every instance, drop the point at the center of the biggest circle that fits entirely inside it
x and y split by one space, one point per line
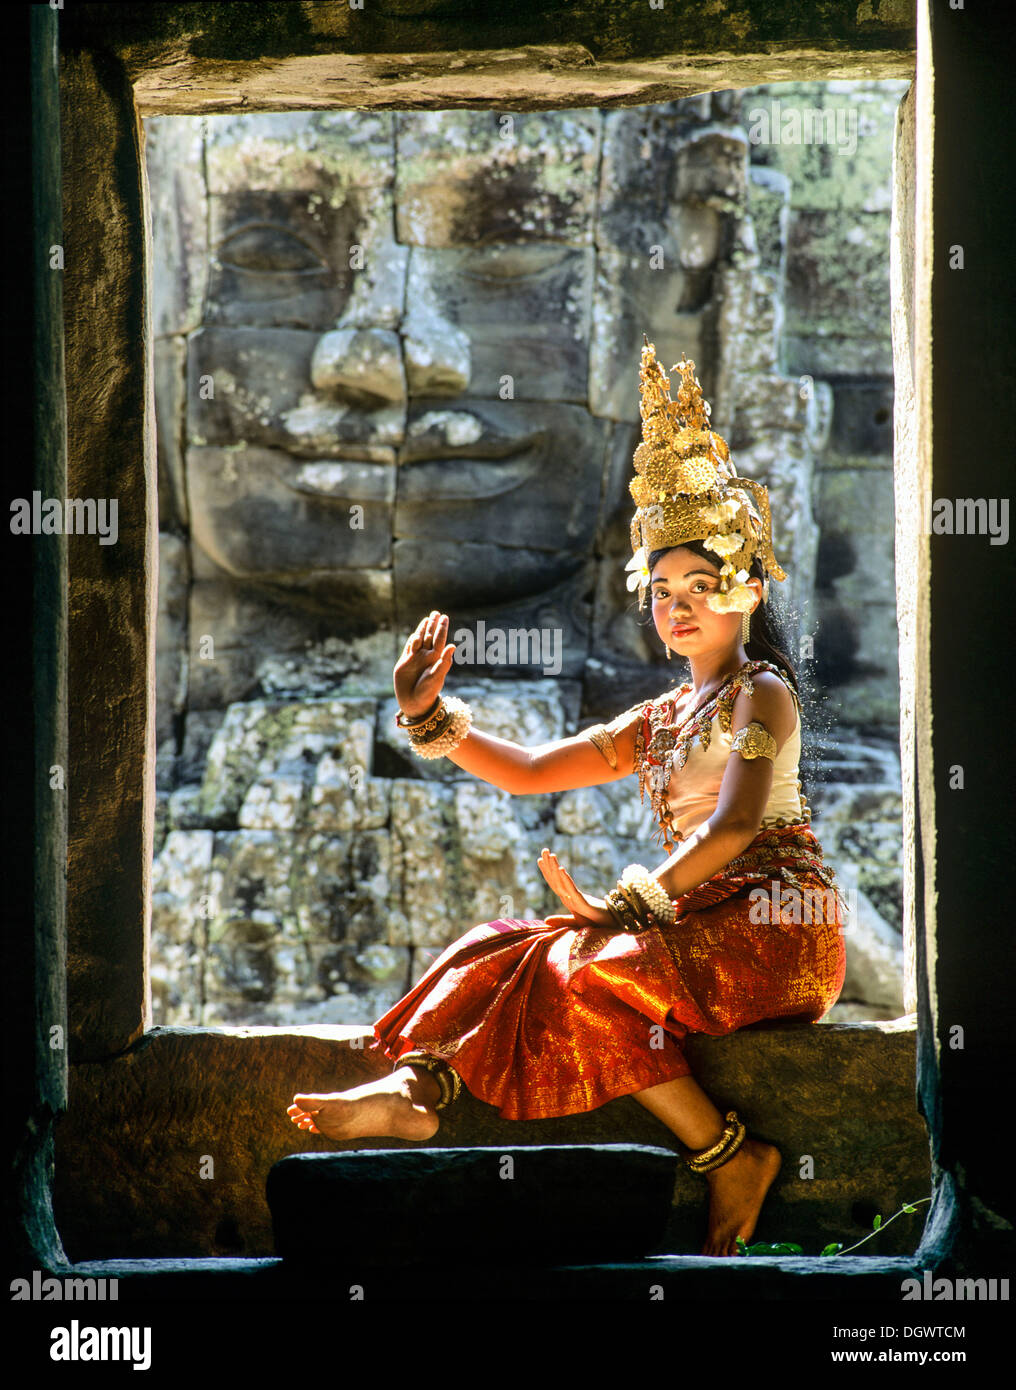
266 246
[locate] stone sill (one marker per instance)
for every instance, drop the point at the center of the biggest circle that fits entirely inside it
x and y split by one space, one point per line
837 1099
784 1279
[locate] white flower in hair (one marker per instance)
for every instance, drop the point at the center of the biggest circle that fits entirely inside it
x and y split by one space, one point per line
739 599
720 513
639 562
726 544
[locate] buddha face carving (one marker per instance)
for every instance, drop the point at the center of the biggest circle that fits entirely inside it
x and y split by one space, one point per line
404 384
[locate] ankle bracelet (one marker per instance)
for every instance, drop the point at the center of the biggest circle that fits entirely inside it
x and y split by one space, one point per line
705 1160
447 1078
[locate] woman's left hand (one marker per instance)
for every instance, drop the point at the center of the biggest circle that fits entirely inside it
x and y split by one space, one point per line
585 912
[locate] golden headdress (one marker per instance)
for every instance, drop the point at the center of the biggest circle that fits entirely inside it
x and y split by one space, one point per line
686 489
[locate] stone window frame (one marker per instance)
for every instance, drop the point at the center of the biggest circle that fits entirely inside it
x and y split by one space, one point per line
107 963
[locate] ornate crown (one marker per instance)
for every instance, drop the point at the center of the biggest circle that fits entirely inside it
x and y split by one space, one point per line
686 489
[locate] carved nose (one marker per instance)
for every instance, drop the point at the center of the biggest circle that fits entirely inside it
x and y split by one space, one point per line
360 365
373 367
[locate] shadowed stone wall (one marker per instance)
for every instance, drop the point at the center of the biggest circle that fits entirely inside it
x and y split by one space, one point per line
198 57
396 364
184 1127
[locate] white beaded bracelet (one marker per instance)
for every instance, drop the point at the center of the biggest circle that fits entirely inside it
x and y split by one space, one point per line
451 736
638 878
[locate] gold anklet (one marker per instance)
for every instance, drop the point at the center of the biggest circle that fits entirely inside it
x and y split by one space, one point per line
447 1077
705 1160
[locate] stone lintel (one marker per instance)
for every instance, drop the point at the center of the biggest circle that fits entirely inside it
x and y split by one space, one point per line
529 78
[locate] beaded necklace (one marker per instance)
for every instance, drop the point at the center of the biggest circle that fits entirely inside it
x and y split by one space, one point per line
659 742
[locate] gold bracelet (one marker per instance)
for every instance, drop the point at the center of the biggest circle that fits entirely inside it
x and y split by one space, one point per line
454 720
705 1160
600 737
424 722
446 1076
628 919
637 905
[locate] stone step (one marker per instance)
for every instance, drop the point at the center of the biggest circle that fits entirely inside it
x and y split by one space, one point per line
537 1204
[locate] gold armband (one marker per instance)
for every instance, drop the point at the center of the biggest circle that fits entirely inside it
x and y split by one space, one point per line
754 741
603 741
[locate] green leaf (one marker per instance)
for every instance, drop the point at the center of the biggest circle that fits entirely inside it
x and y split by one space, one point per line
833 1249
876 1223
910 1210
742 1249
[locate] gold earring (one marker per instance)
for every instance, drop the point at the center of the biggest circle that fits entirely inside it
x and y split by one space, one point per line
668 653
745 626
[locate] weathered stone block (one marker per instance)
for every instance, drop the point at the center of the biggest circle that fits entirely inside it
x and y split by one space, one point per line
547 610
253 386
245 640
468 178
364 365
171 635
834 145
532 1205
639 212
265 743
169 364
633 298
842 1094
174 158
300 205
486 471
523 309
769 199
838 283
260 514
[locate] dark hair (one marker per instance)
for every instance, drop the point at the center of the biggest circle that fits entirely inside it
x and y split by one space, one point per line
767 640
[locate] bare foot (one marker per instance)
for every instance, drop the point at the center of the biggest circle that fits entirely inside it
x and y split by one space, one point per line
400 1106
736 1192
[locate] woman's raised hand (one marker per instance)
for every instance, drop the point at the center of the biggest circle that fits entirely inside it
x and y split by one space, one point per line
421 669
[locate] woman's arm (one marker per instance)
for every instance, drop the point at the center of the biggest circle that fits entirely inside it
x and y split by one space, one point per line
550 767
743 794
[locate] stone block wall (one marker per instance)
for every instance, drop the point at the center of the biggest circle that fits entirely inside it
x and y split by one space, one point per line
396 365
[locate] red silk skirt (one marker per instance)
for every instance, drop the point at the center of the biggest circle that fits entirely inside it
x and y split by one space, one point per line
542 1021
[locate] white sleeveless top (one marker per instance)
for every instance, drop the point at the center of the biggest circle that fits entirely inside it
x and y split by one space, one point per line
692 792
694 789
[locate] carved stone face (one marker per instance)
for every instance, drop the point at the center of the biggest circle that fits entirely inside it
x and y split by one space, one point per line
412 347
384 403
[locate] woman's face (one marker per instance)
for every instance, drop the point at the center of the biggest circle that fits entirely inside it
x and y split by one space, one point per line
681 582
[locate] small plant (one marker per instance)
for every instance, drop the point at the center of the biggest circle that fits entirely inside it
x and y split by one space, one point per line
787 1248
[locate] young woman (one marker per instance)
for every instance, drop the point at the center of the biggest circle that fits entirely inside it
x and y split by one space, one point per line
554 1017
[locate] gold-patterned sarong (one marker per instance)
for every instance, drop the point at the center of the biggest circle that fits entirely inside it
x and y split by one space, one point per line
542 1021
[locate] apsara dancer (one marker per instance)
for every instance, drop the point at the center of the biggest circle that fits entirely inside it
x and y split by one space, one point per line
545 1018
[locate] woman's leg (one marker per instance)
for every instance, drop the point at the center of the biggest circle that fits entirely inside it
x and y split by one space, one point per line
398 1106
737 1188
